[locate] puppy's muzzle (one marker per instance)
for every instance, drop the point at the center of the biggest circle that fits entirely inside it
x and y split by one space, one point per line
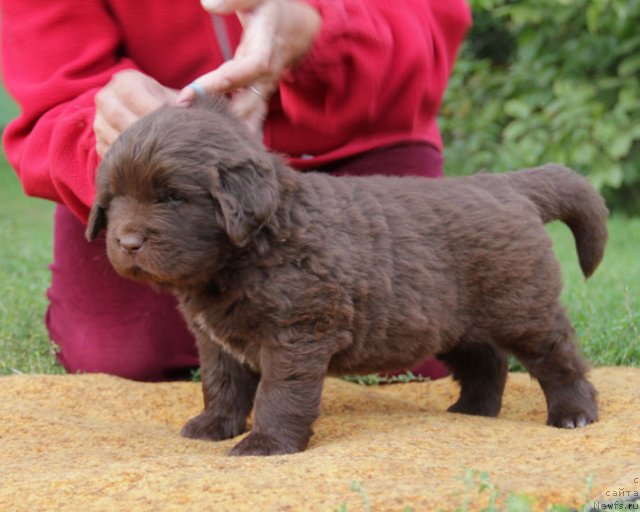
131 243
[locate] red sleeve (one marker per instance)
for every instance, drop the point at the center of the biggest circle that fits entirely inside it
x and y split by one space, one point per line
376 59
56 56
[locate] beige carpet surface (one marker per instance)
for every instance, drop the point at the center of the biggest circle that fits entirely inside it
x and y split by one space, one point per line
94 442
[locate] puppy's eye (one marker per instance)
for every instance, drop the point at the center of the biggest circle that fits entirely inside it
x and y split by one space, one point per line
172 199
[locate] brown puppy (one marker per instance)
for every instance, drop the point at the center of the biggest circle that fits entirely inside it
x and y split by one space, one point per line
285 277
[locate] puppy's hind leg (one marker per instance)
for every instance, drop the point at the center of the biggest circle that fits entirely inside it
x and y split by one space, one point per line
481 370
551 357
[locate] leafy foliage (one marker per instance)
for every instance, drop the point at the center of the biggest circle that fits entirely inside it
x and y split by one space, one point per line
549 80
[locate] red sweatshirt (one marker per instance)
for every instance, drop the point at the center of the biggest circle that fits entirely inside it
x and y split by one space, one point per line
375 76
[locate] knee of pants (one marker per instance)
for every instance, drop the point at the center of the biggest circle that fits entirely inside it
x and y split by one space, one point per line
137 352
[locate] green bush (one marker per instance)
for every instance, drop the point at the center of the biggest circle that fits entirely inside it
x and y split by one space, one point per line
549 80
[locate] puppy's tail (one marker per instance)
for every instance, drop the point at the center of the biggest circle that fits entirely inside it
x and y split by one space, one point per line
562 194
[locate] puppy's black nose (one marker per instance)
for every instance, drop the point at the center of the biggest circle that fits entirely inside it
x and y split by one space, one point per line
131 243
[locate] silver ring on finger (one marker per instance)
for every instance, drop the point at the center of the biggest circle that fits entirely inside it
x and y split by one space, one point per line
198 89
256 92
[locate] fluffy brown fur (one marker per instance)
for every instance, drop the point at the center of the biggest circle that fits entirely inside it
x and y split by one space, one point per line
285 277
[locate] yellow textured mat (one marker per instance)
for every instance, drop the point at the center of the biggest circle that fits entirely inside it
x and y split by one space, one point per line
93 442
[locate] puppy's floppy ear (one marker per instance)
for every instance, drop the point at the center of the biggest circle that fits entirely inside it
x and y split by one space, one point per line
97 222
98 215
248 196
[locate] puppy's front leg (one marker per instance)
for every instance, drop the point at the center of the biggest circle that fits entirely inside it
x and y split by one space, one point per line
287 403
229 389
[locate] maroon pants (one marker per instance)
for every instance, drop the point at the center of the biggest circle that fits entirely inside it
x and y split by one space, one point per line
104 323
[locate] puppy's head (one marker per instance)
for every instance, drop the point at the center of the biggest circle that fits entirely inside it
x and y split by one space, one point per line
180 192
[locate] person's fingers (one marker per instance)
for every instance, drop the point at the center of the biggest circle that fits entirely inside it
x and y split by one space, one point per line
188 94
241 72
230 76
185 97
140 93
111 111
251 107
102 148
111 118
277 34
252 62
105 135
161 95
128 96
229 6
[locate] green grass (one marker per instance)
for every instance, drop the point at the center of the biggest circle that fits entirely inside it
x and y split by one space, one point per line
477 490
605 309
25 252
8 108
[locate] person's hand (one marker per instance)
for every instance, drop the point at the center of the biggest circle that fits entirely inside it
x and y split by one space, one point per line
128 96
276 35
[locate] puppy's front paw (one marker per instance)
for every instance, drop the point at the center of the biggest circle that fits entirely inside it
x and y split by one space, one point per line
213 428
261 444
478 406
